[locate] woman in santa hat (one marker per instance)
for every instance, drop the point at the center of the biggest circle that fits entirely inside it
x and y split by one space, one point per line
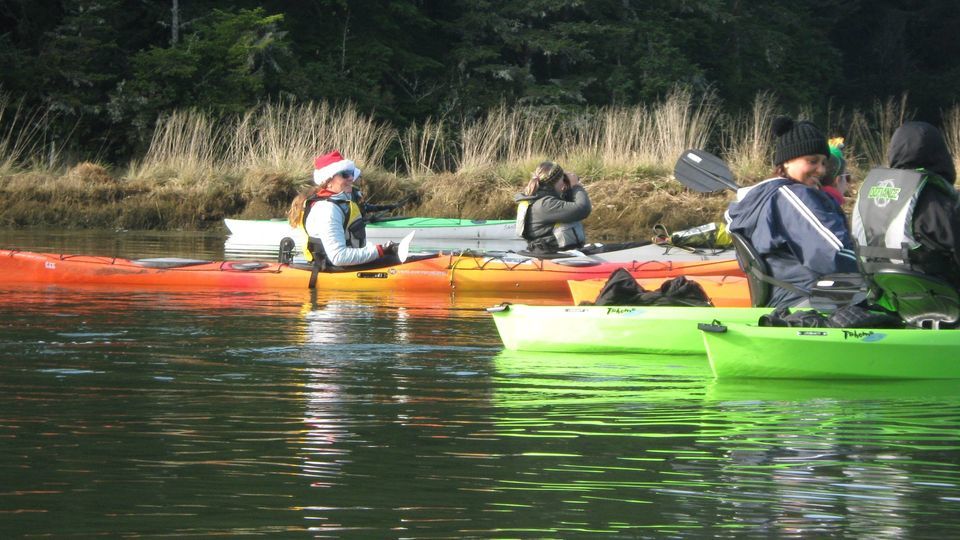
333 221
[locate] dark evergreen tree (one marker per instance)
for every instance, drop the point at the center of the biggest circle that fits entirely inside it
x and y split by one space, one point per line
224 62
108 68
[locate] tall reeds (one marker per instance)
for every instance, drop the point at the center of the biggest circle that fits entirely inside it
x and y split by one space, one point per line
513 136
747 142
423 149
192 147
951 132
284 138
28 139
871 132
638 137
186 150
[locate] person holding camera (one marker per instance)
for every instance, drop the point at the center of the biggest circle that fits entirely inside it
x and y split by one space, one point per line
333 222
551 210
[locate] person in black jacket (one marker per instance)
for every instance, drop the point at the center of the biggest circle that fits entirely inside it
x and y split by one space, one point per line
551 210
921 215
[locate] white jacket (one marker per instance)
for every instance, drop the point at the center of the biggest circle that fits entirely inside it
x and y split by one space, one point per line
326 221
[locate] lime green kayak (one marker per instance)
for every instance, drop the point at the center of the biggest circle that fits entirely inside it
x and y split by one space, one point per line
610 329
739 350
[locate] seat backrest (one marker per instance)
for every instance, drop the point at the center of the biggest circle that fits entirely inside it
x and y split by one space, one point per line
754 267
920 300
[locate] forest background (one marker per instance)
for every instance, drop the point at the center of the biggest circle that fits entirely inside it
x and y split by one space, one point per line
176 114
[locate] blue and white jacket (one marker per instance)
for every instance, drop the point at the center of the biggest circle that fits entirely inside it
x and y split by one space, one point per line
796 229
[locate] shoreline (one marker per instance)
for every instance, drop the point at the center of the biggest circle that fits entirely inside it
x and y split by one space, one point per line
624 209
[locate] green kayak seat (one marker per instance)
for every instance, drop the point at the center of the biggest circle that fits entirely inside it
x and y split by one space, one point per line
921 300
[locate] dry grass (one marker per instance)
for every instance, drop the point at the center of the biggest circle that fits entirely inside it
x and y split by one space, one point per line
682 122
285 138
512 136
201 168
423 148
26 142
625 209
186 150
190 148
617 140
478 195
871 133
951 132
748 145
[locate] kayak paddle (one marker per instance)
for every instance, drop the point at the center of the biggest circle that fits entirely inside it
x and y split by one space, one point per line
704 172
403 250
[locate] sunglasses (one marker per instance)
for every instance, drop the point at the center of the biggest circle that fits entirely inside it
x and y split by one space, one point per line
346 174
845 177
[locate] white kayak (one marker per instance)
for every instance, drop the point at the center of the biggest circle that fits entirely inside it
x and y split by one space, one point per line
264 236
271 231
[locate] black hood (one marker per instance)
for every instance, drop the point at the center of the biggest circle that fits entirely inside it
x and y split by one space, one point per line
917 145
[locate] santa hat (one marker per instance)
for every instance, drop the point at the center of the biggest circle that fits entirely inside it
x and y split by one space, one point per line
327 165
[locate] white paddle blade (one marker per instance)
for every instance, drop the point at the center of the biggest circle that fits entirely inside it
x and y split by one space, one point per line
403 250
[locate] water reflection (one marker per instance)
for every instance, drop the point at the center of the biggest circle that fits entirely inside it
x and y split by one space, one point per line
118 243
855 456
792 458
388 402
295 413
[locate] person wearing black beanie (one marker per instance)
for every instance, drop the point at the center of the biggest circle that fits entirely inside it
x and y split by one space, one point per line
792 224
914 204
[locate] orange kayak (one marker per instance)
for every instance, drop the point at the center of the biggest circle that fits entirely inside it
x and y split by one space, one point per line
724 291
443 272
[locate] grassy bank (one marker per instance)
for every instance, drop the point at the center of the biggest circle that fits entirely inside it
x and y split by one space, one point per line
200 169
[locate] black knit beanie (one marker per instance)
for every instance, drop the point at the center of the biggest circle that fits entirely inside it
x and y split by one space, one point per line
795 139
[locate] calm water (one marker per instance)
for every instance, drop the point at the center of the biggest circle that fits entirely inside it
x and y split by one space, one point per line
195 413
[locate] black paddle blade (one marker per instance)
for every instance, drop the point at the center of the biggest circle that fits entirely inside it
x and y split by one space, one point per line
704 172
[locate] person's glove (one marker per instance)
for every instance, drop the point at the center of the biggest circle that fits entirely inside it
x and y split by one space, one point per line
390 248
380 207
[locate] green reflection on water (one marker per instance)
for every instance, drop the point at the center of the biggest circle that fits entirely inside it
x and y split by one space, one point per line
824 457
176 413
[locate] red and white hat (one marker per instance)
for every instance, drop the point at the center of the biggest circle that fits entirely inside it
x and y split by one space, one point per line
327 165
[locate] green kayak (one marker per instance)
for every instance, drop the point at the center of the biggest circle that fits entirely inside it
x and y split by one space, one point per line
610 329
739 350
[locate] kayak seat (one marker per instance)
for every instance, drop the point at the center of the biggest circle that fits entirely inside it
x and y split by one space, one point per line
368 266
167 262
578 262
244 266
830 291
921 300
756 269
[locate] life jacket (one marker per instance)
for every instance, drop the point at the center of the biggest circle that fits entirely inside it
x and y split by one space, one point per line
883 215
567 235
353 226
